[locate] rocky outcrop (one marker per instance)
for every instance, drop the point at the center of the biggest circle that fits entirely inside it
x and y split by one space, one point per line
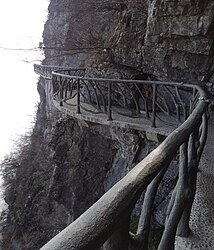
179 39
170 40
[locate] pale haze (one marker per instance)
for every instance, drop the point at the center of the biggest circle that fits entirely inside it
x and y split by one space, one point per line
21 26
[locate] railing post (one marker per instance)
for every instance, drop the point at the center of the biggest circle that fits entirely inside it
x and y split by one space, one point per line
109 102
154 98
61 91
78 96
144 225
120 238
183 228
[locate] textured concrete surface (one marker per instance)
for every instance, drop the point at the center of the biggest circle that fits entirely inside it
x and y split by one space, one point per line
202 217
164 124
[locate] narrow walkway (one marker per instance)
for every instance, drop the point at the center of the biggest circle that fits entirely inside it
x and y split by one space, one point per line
202 217
165 124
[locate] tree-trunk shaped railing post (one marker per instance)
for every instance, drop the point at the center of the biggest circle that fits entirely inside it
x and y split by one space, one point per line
120 238
203 135
183 227
61 94
179 203
144 224
78 96
109 101
147 109
154 98
53 80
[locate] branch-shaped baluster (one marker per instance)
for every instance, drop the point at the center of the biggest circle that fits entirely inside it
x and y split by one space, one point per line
175 102
67 87
194 100
88 90
180 198
78 96
80 72
167 111
121 93
143 230
154 100
109 110
60 91
120 238
102 96
193 162
55 84
62 82
144 100
203 135
73 88
91 82
134 99
182 103
183 226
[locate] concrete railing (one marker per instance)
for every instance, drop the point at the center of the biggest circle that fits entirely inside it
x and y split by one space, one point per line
152 100
45 71
106 223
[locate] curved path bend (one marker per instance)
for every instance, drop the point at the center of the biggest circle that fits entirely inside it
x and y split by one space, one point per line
202 216
107 221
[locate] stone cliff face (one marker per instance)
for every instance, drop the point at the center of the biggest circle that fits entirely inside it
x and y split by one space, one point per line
168 39
180 36
68 165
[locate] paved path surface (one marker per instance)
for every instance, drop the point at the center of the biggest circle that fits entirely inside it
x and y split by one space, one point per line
202 217
164 124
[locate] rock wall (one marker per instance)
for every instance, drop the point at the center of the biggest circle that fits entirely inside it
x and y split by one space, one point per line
69 165
171 40
179 39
